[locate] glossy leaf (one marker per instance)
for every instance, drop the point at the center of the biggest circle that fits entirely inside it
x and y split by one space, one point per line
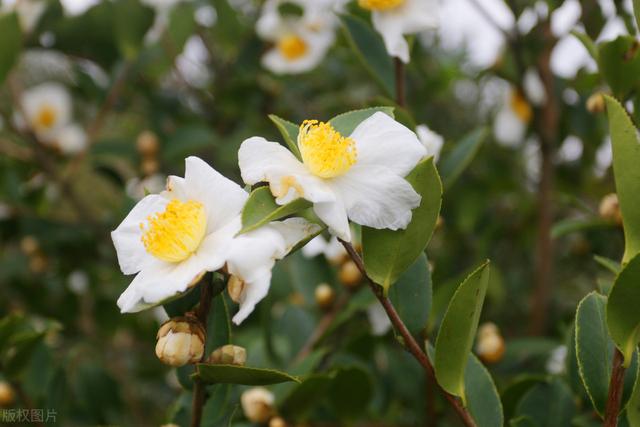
347 122
412 296
619 63
623 316
513 393
387 253
261 208
457 331
549 404
594 351
626 158
10 43
452 166
231 374
483 400
370 50
289 132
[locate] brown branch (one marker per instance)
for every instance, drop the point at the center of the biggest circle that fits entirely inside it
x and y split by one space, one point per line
615 391
409 341
206 294
400 82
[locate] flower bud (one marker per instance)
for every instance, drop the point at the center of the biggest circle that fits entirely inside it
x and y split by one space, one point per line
349 274
147 144
595 103
610 209
277 422
228 355
180 341
257 404
235 288
325 296
29 245
7 395
38 263
490 345
150 166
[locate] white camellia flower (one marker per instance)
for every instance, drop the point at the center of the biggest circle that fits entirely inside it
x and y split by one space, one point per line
332 249
171 239
395 18
360 177
300 42
47 108
512 120
29 12
432 141
71 139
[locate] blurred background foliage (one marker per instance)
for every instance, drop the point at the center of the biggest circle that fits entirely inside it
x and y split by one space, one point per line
187 77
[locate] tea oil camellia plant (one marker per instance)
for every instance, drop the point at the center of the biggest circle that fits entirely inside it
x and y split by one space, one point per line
232 213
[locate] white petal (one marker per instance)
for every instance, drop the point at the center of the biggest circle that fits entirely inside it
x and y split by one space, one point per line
431 141
71 139
293 231
132 255
254 293
315 247
376 197
334 214
413 16
53 95
508 129
264 161
382 141
223 199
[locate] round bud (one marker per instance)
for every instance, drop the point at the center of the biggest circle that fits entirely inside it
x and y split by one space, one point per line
487 328
29 245
38 263
257 404
147 144
349 274
235 288
277 422
7 396
610 208
180 341
228 355
490 345
150 166
596 103
325 296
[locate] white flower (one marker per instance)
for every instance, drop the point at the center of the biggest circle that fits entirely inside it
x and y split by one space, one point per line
380 323
171 239
557 360
47 108
432 141
71 139
300 42
29 12
360 177
512 119
395 18
137 188
332 249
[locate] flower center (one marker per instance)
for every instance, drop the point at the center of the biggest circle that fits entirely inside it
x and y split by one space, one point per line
324 151
173 235
46 117
380 4
292 47
521 107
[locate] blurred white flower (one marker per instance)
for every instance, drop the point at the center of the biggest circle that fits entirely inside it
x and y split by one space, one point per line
137 188
171 239
29 12
557 360
380 323
571 149
534 87
300 42
432 141
512 119
332 249
47 108
78 282
393 19
358 178
71 139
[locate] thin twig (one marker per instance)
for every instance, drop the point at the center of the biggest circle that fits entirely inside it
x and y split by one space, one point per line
400 82
206 294
615 391
409 341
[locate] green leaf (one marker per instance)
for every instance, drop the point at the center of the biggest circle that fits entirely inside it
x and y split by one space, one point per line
452 166
370 50
587 42
522 422
633 406
387 253
346 123
549 404
10 43
623 316
571 225
231 374
132 22
619 63
412 296
483 400
608 263
261 208
594 351
626 158
458 330
636 11
304 396
289 132
512 393
350 392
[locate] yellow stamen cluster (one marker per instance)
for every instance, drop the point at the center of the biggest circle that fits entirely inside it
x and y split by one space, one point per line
521 107
324 151
173 235
292 47
380 4
46 117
